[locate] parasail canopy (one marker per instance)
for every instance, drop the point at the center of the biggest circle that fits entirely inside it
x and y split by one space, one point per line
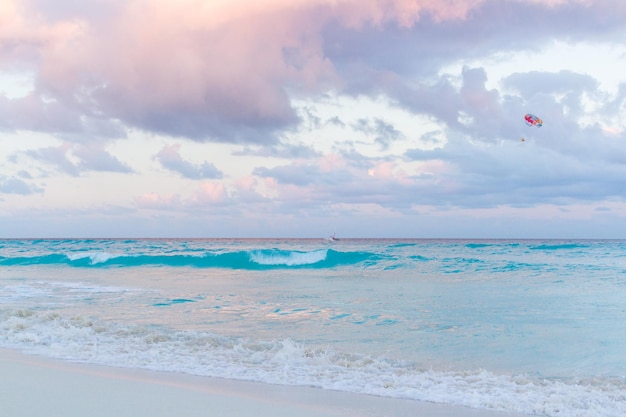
532 120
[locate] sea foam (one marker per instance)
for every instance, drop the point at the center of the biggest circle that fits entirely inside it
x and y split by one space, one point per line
525 326
285 361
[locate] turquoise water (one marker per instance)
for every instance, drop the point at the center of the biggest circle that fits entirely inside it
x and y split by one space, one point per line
530 326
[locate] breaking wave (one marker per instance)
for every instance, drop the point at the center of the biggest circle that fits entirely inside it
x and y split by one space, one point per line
83 339
257 259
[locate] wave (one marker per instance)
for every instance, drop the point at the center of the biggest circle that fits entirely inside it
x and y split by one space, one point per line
257 259
289 362
560 246
172 302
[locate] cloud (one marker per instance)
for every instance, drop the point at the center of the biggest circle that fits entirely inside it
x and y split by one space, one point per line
155 201
73 159
292 87
514 173
282 150
336 180
384 133
170 158
405 64
228 71
13 185
56 156
95 158
299 174
210 194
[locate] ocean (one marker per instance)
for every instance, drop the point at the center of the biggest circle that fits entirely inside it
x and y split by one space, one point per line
530 326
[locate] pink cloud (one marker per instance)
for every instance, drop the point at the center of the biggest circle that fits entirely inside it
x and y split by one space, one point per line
405 13
247 183
229 70
388 170
210 193
157 201
196 68
24 34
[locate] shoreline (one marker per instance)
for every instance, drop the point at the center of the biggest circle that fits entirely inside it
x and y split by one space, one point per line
38 386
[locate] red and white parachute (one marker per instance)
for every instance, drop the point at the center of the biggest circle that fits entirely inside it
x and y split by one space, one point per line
532 120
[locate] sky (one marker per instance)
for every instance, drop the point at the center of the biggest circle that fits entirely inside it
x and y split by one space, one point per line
303 118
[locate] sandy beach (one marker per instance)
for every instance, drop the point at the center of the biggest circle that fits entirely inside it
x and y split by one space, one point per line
36 386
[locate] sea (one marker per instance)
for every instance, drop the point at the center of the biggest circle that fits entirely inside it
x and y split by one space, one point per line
536 327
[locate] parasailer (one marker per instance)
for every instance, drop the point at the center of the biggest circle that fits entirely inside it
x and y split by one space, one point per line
532 120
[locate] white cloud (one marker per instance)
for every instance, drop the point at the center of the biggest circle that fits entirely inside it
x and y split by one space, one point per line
16 84
399 112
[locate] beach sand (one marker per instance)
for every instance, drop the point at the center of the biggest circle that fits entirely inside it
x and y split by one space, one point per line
40 387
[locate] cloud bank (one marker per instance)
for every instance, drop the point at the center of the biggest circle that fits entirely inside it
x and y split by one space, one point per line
286 98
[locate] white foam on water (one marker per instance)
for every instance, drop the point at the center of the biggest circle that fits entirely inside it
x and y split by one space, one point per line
17 292
265 257
82 339
531 327
94 257
46 294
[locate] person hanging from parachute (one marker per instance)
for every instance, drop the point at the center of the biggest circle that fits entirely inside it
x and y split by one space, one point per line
532 120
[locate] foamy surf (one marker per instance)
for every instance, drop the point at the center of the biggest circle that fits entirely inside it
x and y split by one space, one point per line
285 361
534 327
